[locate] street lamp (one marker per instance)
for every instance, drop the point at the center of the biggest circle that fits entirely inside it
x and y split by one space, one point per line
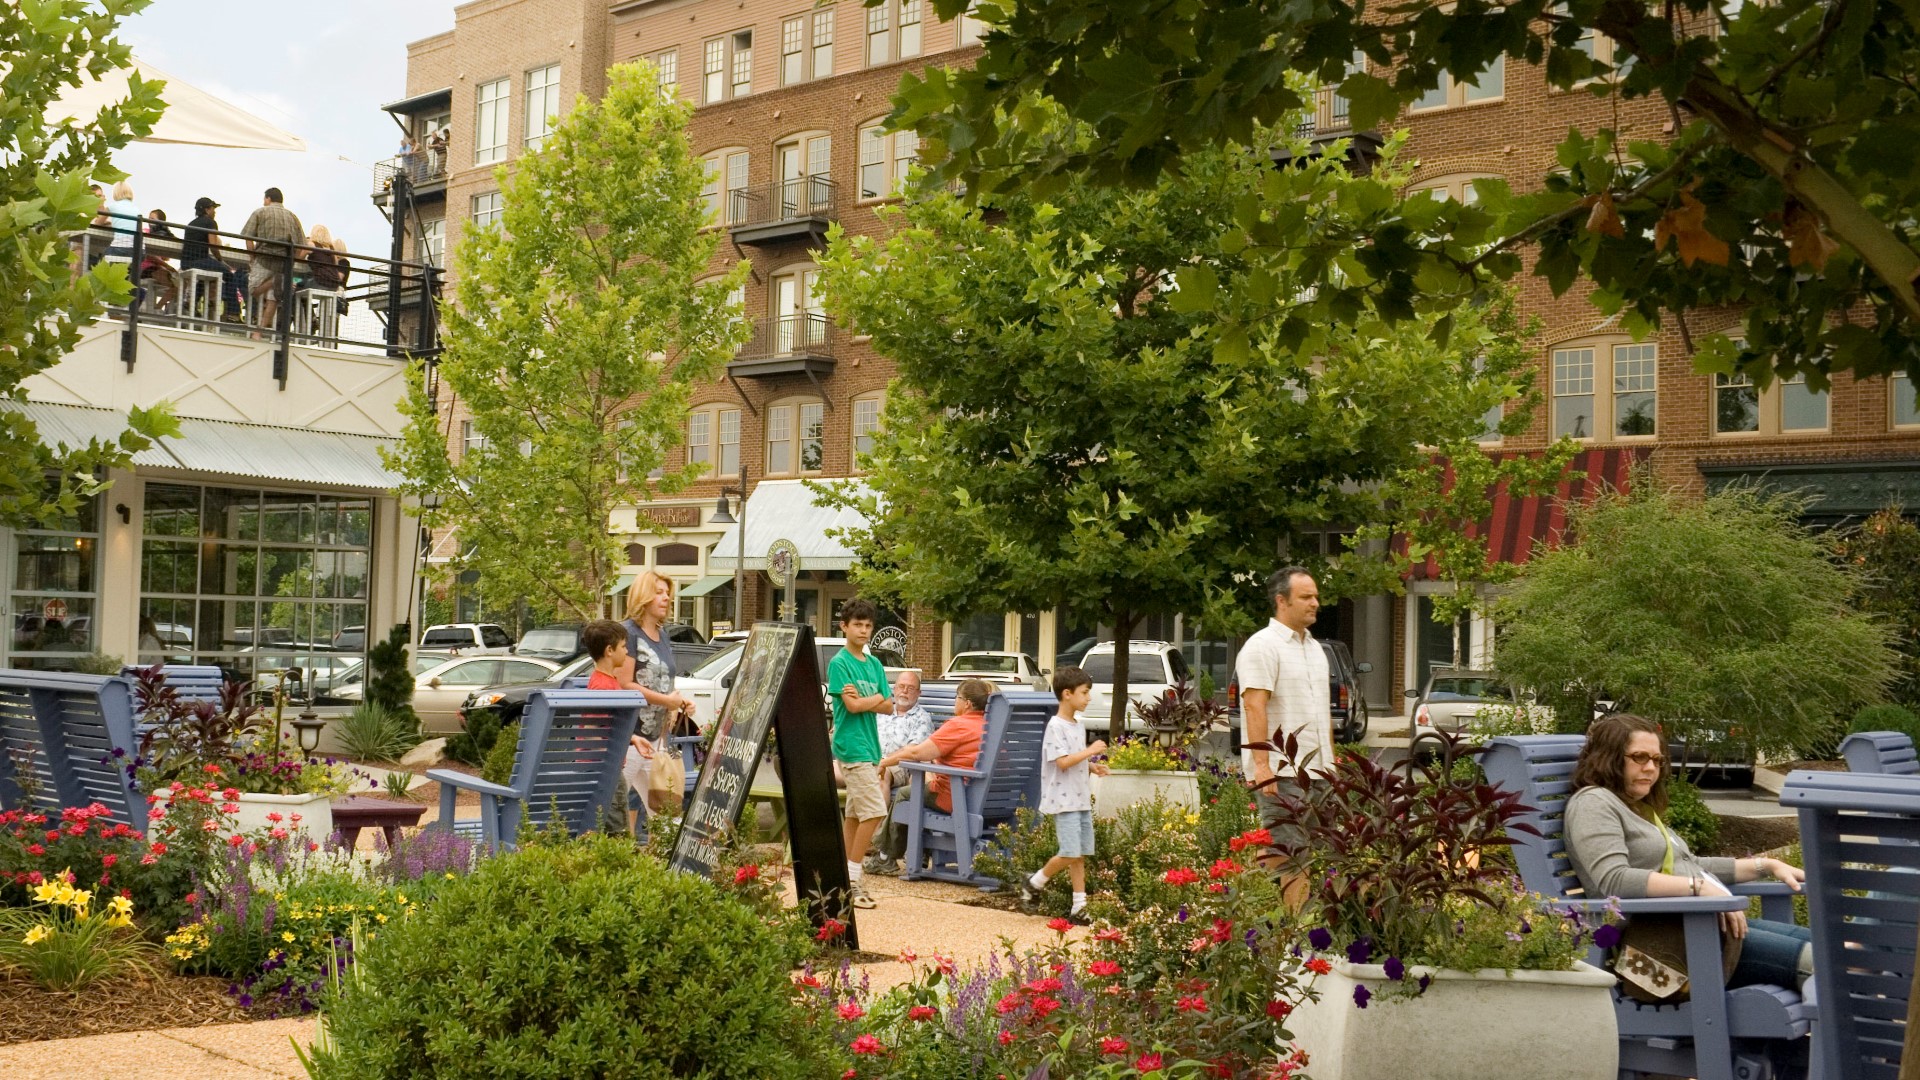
307 727
722 515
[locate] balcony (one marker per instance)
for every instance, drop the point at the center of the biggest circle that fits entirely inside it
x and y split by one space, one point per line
425 170
1327 123
798 209
802 344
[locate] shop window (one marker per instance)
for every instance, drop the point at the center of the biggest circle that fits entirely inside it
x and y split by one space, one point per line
676 555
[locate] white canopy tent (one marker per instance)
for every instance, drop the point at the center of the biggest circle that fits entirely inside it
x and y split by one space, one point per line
193 117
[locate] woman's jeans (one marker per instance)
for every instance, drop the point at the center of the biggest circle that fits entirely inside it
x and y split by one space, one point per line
1772 955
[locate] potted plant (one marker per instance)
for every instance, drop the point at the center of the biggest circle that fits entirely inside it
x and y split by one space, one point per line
1417 926
1161 764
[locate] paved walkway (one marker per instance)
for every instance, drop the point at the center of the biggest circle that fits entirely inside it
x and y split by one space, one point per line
927 917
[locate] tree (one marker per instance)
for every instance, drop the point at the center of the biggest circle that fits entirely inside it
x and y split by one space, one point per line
1786 187
576 330
1074 426
1883 551
1707 615
47 46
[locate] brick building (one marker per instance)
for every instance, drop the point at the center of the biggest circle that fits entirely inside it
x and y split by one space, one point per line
788 99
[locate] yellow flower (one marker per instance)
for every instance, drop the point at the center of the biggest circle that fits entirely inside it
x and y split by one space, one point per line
38 934
402 897
121 905
120 920
46 893
449 875
286 935
380 916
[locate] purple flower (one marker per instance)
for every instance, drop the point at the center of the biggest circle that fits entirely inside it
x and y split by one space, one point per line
246 1001
1360 997
1395 969
1425 981
1607 936
1182 916
119 751
1358 952
1511 936
1526 927
1319 937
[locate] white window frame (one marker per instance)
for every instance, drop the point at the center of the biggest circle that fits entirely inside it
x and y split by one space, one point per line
740 63
1607 381
713 70
820 44
666 73
491 123
488 208
780 442
864 418
700 439
879 44
793 50
727 171
968 29
470 441
543 103
910 37
726 442
892 153
1900 389
432 248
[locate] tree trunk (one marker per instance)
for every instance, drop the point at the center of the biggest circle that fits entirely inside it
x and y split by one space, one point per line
1117 719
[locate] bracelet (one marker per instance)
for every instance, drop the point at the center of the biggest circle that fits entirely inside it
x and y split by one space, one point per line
1695 882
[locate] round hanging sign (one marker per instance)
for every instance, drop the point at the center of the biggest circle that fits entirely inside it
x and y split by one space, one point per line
783 562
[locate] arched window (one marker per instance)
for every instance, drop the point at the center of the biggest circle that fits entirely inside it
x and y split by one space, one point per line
676 555
865 417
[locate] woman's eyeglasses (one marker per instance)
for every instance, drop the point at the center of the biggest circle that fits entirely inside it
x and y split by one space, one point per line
1641 757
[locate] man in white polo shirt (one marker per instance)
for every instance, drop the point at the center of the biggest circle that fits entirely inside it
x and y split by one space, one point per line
1284 687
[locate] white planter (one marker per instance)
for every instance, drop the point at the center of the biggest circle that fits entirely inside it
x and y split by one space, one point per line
316 813
1469 1025
1122 788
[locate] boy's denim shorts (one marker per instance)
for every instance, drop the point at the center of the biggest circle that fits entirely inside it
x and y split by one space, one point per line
1073 831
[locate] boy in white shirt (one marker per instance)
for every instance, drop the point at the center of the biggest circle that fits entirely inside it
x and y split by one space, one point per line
1066 792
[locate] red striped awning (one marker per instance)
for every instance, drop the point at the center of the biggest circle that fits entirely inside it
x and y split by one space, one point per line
1520 524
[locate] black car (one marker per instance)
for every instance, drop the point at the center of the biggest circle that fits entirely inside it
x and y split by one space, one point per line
510 700
1348 703
560 643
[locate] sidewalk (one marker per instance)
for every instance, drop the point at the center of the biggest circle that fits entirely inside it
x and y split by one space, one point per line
925 916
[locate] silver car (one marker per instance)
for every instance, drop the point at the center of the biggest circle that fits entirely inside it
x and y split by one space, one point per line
1453 699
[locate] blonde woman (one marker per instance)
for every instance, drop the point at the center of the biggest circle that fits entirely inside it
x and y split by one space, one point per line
651 673
125 211
325 270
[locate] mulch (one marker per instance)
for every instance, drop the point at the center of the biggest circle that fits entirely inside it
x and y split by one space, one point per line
1743 836
30 1014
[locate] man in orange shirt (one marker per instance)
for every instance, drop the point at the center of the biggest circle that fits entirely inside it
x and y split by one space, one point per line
955 743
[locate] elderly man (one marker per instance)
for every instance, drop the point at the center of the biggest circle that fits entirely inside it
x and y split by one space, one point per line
907 725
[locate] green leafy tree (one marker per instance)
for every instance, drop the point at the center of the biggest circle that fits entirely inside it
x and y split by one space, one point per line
1721 615
576 330
1885 554
46 163
1785 188
1073 425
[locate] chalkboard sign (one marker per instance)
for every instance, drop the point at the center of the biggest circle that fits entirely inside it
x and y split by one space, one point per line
776 688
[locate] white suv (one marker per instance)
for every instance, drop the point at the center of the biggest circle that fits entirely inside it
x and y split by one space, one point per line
468 639
1153 668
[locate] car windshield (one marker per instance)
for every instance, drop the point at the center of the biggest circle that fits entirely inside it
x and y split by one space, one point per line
720 663
424 661
989 665
1473 688
558 641
1142 667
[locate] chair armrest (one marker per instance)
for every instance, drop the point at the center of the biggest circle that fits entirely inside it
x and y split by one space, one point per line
1656 905
1764 888
942 770
464 782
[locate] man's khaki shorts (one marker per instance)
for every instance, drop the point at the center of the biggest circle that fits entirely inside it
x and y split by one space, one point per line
866 794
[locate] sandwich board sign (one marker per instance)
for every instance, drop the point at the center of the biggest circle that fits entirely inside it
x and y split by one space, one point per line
776 690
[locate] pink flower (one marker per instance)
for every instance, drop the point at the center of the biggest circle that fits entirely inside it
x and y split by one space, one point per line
851 1010
109 859
278 834
867 1044
295 819
1103 967
922 1012
274 816
36 849
945 964
1113 1045
1109 935
156 813
148 859
230 808
908 956
1060 925
209 825
1147 1062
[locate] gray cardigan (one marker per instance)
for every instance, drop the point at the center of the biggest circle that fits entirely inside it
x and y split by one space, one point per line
1613 849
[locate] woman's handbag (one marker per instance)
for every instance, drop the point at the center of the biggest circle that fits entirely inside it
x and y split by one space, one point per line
1652 959
667 784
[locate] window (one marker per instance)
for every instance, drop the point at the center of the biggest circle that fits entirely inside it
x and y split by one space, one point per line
1599 47
885 159
879 33
742 82
1489 85
1739 407
729 457
490 122
713 439
804 160
866 422
543 102
909 28
802 56
1906 410
487 210
726 67
793 50
800 322
666 73
1489 420
725 189
1460 188
795 433
823 43
471 441
433 242
713 71
971 28
700 438
1605 388
779 440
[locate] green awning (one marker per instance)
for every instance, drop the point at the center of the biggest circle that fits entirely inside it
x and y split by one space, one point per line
621 586
707 584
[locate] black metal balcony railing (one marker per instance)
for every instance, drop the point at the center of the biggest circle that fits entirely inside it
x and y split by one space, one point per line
782 210
809 334
1329 115
422 167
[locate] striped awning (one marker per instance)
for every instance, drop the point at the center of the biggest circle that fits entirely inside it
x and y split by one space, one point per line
1520 525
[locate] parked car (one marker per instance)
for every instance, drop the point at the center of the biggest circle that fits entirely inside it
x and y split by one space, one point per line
509 700
1074 653
439 691
709 683
558 642
481 639
1451 700
350 639
1153 668
1346 700
1005 668
690 647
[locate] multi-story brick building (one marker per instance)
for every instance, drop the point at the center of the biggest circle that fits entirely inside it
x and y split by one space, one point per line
788 99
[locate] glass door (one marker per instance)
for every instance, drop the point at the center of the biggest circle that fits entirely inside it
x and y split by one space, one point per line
53 593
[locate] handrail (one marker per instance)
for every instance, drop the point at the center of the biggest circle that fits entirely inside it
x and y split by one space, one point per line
1330 114
349 311
422 167
807 333
797 199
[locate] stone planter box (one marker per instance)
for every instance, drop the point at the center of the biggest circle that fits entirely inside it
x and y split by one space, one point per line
1469 1025
316 813
1122 788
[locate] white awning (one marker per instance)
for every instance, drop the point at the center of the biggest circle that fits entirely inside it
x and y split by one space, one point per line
785 510
193 116
259 451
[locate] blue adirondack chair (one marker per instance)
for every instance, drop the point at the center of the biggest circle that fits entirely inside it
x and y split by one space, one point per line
1005 777
938 700
1720 1034
1887 752
1861 837
572 743
193 682
68 727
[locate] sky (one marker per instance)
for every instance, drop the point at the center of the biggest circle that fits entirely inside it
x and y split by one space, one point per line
320 71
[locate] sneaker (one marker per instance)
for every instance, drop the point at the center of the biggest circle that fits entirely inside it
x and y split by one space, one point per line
1029 895
860 898
1079 918
878 864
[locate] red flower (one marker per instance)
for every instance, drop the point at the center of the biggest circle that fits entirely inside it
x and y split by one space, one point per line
274 816
1319 965
908 956
1217 887
210 769
1006 1037
1191 1003
1103 967
851 1010
159 847
867 1044
1007 1004
1223 868
809 979
236 840
830 929
922 1012
109 859
1180 875
36 849
749 872
1043 986
1222 930
1147 1062
849 1074
1060 925
53 835
1113 1045
191 898
1279 1010
1044 1005
945 964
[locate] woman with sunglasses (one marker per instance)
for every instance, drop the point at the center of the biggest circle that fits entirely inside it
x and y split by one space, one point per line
1620 845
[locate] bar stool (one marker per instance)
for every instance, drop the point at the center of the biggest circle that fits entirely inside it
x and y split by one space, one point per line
202 296
316 313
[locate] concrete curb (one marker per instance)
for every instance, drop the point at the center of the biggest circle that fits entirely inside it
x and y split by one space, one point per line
1767 780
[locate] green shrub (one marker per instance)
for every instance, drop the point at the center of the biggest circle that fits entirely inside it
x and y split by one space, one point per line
497 768
1688 815
373 732
390 674
474 744
1887 718
587 959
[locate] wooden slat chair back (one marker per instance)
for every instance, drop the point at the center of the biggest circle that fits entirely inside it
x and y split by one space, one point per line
1889 753
193 682
566 767
66 728
1860 833
1718 1035
1016 775
938 700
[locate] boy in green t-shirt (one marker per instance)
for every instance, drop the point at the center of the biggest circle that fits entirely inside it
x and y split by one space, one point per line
857 686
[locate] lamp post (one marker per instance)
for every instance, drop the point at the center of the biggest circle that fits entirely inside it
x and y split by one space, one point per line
307 727
723 516
431 501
